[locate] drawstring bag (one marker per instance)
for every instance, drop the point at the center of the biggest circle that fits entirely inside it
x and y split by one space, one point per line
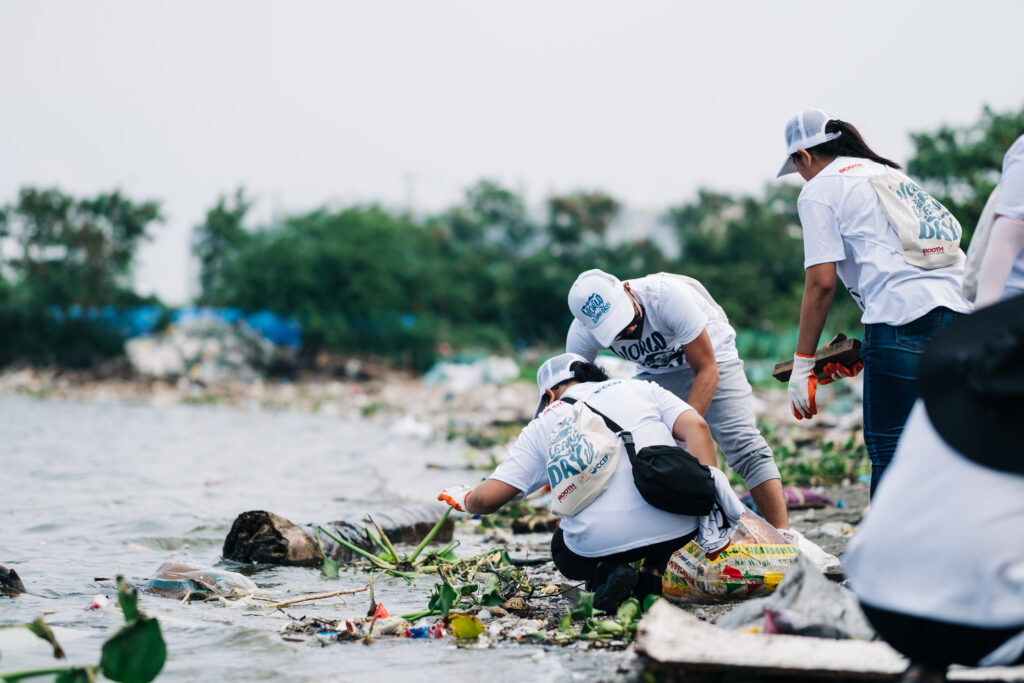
929 233
582 455
667 477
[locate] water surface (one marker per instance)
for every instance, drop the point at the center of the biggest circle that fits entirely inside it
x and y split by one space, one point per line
91 490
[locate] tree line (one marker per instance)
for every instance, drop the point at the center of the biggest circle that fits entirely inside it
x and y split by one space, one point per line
485 272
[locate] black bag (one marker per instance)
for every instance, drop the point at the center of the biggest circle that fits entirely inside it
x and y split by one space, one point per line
667 477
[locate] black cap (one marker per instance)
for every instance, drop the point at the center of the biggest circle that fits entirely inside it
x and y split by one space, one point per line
972 383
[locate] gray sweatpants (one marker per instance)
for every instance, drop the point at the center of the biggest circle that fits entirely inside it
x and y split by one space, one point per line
731 419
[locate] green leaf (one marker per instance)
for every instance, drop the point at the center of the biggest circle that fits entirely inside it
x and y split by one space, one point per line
78 674
584 609
40 628
609 626
136 653
628 612
650 600
329 568
442 599
566 625
468 589
492 592
128 598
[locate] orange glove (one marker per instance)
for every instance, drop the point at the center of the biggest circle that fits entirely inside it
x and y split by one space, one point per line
837 371
456 496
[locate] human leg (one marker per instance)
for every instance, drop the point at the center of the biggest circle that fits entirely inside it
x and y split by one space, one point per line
604 571
891 355
734 427
936 644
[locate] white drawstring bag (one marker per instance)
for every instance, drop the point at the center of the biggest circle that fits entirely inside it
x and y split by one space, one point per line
582 456
929 233
979 245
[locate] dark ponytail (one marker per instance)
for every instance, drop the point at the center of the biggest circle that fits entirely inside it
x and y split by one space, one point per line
849 144
583 371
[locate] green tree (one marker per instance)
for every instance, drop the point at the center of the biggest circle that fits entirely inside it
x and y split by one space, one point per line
75 251
961 165
216 241
579 220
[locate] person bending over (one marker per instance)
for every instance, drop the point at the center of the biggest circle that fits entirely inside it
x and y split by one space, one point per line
681 339
599 543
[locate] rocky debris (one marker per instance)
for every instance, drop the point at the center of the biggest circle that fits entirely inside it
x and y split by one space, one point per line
264 537
208 349
10 582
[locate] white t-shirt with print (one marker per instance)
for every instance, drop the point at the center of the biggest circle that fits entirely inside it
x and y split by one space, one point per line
619 519
674 315
1011 204
844 223
943 537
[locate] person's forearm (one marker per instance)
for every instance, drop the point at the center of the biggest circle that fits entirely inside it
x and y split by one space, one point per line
703 390
701 446
1004 246
476 506
818 291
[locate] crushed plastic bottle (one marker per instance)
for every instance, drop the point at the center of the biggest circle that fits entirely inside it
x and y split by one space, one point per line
432 631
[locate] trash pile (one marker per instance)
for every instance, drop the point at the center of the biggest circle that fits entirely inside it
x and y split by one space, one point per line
805 604
208 346
471 371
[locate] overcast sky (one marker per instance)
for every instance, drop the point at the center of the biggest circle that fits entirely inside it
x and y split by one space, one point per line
308 103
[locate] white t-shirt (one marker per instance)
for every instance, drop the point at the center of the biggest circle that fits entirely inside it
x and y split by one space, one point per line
844 223
944 538
619 519
1011 204
674 315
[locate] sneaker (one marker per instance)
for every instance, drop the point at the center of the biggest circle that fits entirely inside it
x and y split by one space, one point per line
617 587
647 584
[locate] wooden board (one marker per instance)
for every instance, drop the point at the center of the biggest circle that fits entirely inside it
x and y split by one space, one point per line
674 641
845 351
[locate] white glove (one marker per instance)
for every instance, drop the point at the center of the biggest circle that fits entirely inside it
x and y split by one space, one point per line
802 386
456 496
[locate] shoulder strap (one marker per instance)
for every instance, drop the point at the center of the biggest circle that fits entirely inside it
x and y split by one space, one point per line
627 437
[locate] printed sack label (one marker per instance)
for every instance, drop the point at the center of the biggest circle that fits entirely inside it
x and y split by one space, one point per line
929 233
582 455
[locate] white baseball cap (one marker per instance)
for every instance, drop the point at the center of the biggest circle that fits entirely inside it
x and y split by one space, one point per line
803 131
554 371
599 301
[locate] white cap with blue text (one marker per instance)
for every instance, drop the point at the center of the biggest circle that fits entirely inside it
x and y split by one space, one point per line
599 301
554 371
803 131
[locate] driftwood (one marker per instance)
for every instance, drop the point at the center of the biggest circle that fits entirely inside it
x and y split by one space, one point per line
264 537
10 582
839 350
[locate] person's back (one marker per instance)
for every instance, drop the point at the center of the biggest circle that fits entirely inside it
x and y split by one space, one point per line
867 249
619 518
674 315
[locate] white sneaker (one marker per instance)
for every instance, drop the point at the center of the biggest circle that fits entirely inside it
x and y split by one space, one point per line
825 562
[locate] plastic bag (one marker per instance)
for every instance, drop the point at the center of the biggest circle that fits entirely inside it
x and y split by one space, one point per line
752 565
177 577
806 603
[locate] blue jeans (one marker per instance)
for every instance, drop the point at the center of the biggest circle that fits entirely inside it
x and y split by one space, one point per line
891 354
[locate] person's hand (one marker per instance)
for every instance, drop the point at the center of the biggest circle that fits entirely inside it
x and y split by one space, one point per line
456 496
836 371
802 386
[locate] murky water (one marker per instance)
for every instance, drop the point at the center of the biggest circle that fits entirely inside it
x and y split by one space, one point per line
94 490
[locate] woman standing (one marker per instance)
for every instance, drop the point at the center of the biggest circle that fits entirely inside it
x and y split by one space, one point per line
904 271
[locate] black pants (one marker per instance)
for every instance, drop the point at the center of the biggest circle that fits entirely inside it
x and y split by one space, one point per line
578 568
937 643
